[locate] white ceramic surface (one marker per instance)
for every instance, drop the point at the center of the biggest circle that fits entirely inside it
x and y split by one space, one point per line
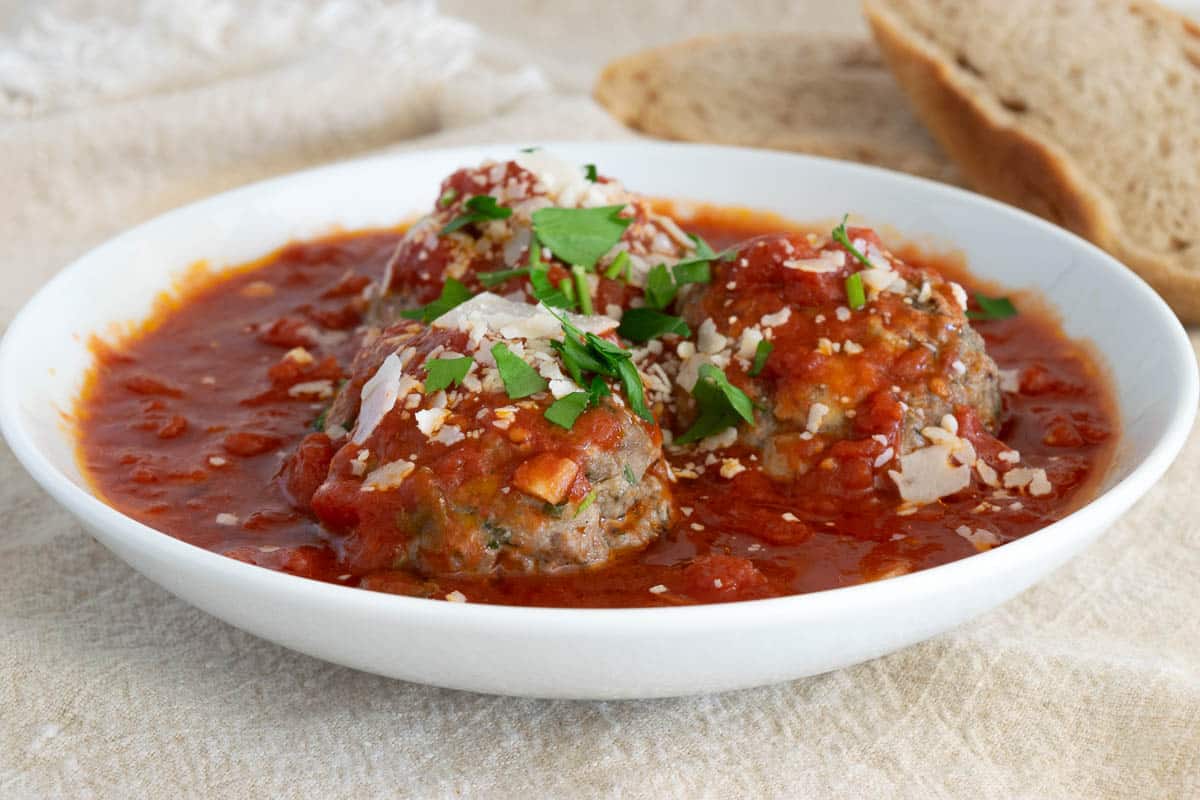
594 653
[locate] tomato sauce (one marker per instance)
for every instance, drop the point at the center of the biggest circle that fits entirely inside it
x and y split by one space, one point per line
186 424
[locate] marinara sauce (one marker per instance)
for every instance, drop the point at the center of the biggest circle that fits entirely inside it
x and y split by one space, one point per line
185 425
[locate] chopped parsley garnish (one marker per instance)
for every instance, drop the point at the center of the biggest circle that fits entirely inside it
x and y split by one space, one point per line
841 237
722 405
589 172
586 352
856 296
318 424
584 290
533 149
586 502
580 236
662 284
761 353
480 208
614 269
490 279
660 287
692 272
544 289
629 476
453 294
442 372
698 269
644 324
520 379
992 308
565 410
597 391
448 197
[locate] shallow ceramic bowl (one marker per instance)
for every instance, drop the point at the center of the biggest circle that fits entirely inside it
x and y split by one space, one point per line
593 653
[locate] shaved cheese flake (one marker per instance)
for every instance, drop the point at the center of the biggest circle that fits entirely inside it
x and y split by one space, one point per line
388 476
379 396
981 538
928 474
780 317
816 415
1010 380
431 420
320 389
827 261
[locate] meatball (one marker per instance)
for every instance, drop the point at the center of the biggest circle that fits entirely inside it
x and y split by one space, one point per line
428 256
884 373
473 478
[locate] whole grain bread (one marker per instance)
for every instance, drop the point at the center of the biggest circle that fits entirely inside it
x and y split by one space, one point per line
1086 112
828 95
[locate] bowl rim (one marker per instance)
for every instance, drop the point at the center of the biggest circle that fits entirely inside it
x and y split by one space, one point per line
89 508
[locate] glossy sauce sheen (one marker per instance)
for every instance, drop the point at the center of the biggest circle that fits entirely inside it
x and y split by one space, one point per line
185 426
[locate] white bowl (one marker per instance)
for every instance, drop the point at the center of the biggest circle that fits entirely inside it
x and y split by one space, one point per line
596 653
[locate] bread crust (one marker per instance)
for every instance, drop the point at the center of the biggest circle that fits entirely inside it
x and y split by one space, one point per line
1000 158
633 91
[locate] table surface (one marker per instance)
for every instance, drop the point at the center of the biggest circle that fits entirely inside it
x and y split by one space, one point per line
1087 685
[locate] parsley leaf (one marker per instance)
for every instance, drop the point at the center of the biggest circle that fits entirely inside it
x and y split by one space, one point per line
644 324
840 236
453 294
761 353
490 279
597 391
586 502
520 379
447 198
441 372
614 269
565 410
583 289
580 235
992 308
856 295
587 352
692 272
660 287
629 476
721 405
480 208
589 172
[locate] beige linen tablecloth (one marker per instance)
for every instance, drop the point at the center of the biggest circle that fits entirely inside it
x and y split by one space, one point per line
1086 686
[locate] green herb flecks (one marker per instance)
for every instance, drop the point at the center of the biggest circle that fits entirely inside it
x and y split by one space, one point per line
490 279
630 478
580 236
448 197
583 353
443 372
589 172
586 502
761 353
520 379
856 295
480 208
453 294
644 324
992 308
583 289
841 237
614 269
565 410
722 405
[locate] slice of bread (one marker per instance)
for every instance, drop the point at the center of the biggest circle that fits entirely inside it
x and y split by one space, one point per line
1086 112
828 95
